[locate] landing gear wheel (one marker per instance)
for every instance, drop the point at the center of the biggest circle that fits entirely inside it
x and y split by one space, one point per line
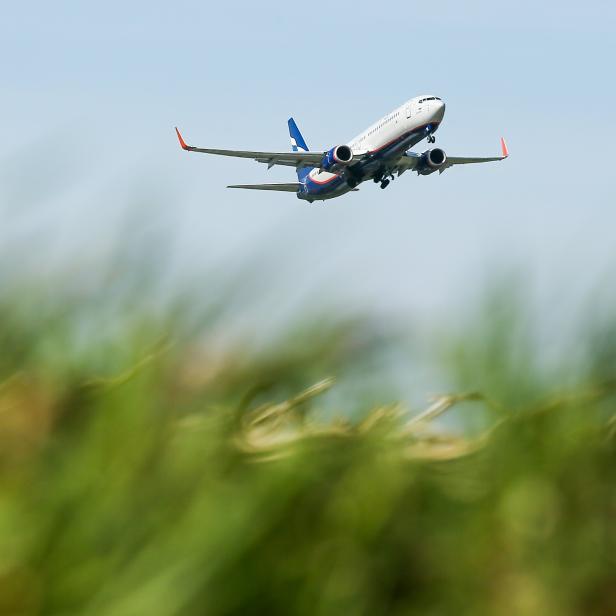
384 184
431 139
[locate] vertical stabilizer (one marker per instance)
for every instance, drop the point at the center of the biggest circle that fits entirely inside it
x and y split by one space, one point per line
298 144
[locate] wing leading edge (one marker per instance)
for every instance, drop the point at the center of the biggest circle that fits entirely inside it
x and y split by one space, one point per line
289 159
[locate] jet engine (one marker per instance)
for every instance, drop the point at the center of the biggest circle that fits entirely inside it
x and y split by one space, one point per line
431 161
337 158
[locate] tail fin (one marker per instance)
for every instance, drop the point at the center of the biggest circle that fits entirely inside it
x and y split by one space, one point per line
298 144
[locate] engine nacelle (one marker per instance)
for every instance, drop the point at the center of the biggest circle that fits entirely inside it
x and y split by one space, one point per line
337 158
431 161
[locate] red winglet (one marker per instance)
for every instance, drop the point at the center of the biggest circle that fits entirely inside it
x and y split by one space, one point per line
504 147
182 142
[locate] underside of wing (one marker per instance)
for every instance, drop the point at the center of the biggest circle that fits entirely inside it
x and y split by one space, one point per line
411 160
291 187
471 160
289 159
408 162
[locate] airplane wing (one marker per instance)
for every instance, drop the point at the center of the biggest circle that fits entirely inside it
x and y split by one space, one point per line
292 187
460 160
289 159
411 160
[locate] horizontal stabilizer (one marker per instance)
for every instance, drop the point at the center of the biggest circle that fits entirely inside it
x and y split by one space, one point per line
292 187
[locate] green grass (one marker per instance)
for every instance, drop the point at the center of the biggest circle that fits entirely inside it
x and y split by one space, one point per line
145 471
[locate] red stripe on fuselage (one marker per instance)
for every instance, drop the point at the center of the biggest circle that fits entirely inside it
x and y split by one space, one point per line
404 135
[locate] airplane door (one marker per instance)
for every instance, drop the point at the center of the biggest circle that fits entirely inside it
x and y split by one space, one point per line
408 111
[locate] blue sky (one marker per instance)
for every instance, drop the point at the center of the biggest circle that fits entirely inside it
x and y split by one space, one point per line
92 92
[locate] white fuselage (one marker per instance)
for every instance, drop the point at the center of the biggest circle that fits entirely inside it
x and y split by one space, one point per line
422 112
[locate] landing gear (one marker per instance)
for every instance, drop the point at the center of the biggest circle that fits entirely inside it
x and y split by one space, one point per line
431 139
381 175
384 178
354 178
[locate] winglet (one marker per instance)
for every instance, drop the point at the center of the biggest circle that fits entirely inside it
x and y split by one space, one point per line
182 142
504 148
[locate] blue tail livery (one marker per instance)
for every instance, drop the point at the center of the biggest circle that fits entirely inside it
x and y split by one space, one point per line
298 144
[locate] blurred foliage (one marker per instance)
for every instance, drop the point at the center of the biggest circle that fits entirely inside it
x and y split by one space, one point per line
148 468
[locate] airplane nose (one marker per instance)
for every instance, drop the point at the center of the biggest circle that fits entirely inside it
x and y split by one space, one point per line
439 111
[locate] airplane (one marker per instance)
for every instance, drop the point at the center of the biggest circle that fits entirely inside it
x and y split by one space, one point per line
379 154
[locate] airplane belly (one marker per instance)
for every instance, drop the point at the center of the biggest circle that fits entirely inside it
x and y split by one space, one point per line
321 185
